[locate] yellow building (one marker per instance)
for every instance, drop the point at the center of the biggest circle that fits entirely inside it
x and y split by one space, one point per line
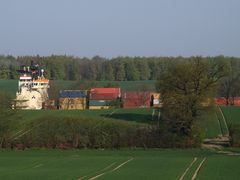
72 103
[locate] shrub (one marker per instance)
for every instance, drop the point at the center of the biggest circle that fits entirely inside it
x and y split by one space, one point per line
85 132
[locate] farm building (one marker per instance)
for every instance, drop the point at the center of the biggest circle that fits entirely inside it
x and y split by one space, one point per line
73 99
101 98
136 100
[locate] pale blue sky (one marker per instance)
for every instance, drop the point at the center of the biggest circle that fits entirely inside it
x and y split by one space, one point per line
111 28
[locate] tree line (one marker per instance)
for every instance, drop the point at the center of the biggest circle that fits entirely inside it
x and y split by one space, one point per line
98 68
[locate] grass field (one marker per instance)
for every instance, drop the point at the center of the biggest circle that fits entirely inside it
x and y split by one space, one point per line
11 85
232 114
143 115
123 164
212 123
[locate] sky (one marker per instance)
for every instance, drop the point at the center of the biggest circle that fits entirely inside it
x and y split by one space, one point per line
111 28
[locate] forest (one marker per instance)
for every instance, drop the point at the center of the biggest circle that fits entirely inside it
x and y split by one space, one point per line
62 67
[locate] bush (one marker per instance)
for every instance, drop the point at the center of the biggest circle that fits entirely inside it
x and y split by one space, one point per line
83 132
80 132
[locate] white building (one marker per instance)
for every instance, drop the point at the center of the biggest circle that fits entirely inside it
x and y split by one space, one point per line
32 89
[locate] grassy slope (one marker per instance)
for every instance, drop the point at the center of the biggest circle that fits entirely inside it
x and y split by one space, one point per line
137 115
150 164
232 114
209 124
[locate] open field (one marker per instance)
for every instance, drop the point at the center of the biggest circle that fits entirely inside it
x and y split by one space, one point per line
143 115
123 164
11 85
213 124
232 114
209 124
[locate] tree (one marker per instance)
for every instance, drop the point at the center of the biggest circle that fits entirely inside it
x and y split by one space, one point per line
92 73
184 87
144 71
132 73
57 70
108 72
119 71
13 72
230 85
4 72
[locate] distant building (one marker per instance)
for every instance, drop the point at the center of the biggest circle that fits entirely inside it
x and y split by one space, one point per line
32 88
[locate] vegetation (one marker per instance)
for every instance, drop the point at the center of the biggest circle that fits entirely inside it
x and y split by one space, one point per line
86 132
99 68
232 114
230 85
8 119
145 164
184 87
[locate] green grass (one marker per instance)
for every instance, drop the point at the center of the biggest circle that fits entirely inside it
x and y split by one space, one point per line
222 122
138 115
145 164
220 167
232 114
209 124
12 85
9 86
130 85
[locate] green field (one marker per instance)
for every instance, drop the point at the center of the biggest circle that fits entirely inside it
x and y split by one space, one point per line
11 85
123 164
232 114
143 115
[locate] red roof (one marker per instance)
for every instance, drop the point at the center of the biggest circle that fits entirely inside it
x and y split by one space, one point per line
105 90
106 96
137 95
